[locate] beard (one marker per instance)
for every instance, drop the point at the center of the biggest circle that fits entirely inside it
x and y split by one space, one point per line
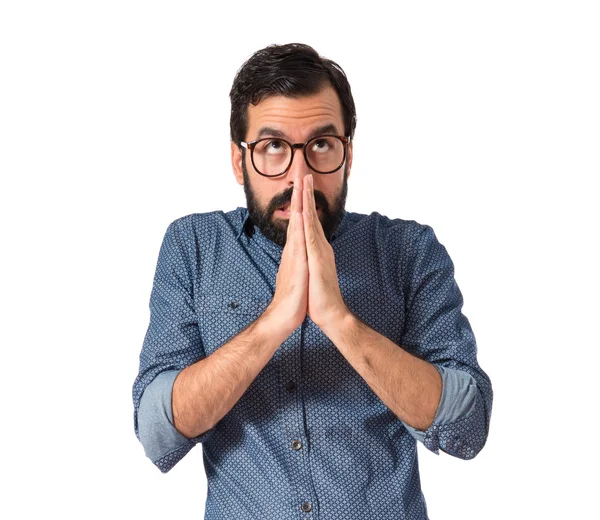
275 229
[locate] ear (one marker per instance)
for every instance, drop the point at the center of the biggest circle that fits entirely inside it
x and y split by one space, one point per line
349 157
236 163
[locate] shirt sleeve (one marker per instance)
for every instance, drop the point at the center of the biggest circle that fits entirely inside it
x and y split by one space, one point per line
459 391
172 342
436 330
163 443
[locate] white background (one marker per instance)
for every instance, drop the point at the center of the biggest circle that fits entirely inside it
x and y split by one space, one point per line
481 119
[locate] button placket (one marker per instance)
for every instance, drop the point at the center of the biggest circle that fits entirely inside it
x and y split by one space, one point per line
291 351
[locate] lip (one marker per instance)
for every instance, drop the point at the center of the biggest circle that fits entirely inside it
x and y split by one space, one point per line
286 213
283 213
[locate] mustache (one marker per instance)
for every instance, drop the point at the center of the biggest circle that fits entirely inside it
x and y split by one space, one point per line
286 198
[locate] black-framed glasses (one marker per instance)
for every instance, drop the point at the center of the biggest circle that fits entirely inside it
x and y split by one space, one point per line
273 156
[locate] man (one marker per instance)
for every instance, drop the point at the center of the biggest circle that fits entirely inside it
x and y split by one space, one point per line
307 348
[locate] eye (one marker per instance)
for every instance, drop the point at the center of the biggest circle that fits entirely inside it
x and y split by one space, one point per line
273 146
321 145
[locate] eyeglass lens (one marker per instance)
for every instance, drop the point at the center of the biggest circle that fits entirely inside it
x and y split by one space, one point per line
272 156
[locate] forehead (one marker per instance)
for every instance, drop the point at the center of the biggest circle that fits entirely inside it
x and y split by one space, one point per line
296 117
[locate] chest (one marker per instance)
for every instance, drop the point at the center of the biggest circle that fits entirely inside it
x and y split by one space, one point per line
234 289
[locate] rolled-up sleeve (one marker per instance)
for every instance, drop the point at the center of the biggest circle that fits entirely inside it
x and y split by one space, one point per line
163 443
436 330
459 391
172 342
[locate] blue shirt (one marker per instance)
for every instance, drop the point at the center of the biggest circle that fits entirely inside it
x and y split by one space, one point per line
309 438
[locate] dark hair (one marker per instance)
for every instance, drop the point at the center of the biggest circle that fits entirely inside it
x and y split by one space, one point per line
292 70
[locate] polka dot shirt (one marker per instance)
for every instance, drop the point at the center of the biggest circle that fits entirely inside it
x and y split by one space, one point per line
309 438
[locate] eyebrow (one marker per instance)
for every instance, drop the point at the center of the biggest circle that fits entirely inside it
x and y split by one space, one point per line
325 129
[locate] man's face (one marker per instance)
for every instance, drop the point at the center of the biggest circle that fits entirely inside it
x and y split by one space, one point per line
298 119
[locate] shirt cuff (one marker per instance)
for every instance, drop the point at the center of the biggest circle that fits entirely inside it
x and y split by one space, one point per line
162 442
459 391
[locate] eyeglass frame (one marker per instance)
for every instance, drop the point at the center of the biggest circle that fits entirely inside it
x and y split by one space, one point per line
250 146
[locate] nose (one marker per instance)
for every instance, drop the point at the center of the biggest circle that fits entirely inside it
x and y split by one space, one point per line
298 169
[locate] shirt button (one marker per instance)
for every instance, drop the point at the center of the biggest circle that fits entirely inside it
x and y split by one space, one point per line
306 507
290 386
296 444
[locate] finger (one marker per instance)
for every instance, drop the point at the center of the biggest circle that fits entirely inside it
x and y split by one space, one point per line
311 218
296 221
295 206
311 195
299 234
308 220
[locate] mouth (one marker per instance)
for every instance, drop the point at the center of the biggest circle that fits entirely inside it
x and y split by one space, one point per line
284 211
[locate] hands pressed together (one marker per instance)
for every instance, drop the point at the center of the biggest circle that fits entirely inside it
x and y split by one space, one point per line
307 279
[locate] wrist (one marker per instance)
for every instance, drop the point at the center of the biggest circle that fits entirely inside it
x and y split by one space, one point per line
342 319
271 325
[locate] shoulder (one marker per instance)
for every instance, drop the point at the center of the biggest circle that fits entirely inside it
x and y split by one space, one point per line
208 217
405 243
389 230
195 224
196 232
